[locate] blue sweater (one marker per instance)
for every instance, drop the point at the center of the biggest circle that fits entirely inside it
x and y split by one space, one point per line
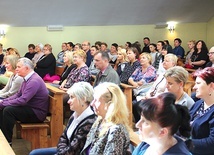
33 93
202 130
178 149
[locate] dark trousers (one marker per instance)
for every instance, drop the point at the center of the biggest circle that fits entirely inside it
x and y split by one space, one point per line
9 115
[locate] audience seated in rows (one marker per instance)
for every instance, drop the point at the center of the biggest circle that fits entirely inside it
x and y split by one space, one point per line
158 87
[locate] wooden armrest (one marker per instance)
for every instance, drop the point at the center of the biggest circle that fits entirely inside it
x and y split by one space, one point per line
134 138
54 89
123 85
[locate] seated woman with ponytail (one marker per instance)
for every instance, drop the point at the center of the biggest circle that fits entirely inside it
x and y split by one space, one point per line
160 119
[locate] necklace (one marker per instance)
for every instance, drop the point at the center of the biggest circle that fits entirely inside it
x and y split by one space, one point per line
180 97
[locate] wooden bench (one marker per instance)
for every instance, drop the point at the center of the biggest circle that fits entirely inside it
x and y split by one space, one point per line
5 148
37 133
59 70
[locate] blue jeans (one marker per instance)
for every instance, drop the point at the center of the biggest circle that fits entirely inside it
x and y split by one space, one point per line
44 151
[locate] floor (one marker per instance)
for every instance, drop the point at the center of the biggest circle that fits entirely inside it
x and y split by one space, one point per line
21 146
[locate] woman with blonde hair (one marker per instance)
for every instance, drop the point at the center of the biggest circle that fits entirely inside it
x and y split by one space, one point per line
191 46
68 61
144 74
176 77
77 74
14 81
109 134
121 60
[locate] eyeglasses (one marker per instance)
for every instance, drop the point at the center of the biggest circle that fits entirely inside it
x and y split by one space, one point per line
210 53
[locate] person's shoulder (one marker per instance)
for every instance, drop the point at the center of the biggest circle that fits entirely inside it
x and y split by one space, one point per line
179 148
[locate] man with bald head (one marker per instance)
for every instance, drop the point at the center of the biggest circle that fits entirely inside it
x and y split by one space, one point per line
29 104
86 47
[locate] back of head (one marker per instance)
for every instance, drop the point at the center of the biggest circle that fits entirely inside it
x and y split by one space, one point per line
163 110
83 91
117 112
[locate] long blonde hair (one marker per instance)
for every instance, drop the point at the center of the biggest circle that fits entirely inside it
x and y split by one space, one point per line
117 112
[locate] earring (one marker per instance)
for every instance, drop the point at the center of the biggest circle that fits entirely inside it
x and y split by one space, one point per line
210 94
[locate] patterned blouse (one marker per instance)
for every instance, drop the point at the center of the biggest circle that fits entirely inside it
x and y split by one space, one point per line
114 141
77 75
146 77
128 70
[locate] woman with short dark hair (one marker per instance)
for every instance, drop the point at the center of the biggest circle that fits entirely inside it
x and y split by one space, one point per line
160 120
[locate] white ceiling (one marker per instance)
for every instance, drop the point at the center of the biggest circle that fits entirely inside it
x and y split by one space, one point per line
103 12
